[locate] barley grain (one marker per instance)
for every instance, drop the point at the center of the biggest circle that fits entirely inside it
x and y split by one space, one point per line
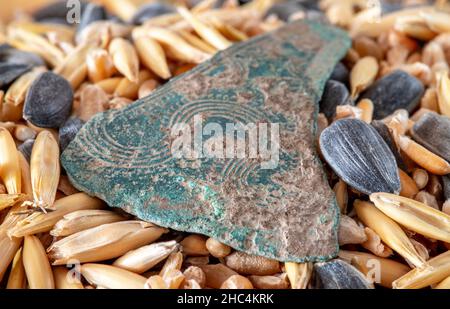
152 56
37 268
408 186
17 278
111 277
65 279
217 249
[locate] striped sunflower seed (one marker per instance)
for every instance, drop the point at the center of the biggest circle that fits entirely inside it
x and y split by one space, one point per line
338 274
360 157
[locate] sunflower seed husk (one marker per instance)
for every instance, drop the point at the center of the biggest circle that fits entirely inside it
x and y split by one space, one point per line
8 200
91 13
81 220
338 274
37 267
9 163
152 56
385 133
335 94
360 157
433 132
25 148
389 231
49 101
394 91
340 73
66 279
125 58
380 270
144 258
68 131
12 55
9 72
350 232
111 277
363 74
104 242
422 277
151 10
44 222
17 278
414 215
423 157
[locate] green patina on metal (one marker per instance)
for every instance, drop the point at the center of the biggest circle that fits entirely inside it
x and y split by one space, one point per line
287 212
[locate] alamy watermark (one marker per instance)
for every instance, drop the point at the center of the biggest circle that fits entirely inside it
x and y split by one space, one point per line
260 141
73 11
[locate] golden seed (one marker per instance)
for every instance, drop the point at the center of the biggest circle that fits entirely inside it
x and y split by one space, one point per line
414 215
340 190
125 58
363 74
174 261
251 264
375 245
111 277
444 284
379 270
81 220
38 270
437 21
152 56
66 279
237 282
17 278
9 163
217 249
408 186
45 169
269 282
216 274
443 92
194 245
197 42
389 231
366 107
93 100
44 222
100 65
104 242
194 273
299 274
427 199
176 46
156 282
147 88
110 84
438 270
173 278
209 34
423 157
146 257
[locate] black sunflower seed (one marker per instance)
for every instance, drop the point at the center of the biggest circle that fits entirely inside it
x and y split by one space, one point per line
58 9
26 147
14 56
151 10
394 91
9 72
446 186
340 73
433 132
359 155
337 274
284 10
68 131
49 101
384 132
91 13
334 94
